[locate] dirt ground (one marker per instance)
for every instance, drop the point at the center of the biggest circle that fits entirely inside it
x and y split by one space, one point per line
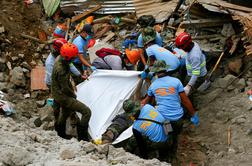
221 109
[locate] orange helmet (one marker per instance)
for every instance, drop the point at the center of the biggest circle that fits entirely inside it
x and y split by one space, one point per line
183 40
68 51
89 20
133 55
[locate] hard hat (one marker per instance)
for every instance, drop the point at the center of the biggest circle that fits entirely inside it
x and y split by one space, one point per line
58 43
148 35
133 55
183 40
91 43
89 20
68 51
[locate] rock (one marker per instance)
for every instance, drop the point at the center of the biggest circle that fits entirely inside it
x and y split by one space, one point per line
14 58
89 147
235 66
3 66
227 30
16 156
17 77
103 149
241 83
40 103
67 154
3 77
249 132
21 56
33 63
2 30
9 65
223 82
27 95
212 95
46 113
239 120
37 122
36 55
26 65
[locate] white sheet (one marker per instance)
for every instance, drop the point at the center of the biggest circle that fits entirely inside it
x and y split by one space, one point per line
104 94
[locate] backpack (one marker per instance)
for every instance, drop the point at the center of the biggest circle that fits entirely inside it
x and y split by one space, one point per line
107 51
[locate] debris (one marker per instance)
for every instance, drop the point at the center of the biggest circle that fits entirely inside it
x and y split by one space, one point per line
235 66
36 39
7 108
229 136
80 16
50 6
2 30
27 95
67 154
114 20
228 30
108 37
38 78
203 23
17 77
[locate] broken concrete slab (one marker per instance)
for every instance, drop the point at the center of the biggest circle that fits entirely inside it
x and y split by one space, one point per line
38 78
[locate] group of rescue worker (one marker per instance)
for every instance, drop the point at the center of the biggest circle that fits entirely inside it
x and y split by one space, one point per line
174 72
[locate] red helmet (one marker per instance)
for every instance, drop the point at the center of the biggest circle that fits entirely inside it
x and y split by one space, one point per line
69 51
91 43
183 40
58 43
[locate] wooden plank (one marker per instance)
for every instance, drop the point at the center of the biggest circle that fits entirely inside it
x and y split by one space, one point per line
80 16
204 23
108 37
219 3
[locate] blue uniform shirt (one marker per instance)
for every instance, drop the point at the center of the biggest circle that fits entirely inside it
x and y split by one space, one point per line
82 47
152 130
158 40
166 92
161 53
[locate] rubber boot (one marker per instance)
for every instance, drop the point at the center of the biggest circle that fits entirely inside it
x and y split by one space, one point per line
61 130
82 132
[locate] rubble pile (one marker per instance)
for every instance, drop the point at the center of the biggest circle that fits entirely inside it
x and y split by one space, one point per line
27 138
22 144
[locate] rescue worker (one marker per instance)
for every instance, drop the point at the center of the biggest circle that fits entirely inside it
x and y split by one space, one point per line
169 94
155 52
147 128
81 42
195 61
146 21
50 60
63 93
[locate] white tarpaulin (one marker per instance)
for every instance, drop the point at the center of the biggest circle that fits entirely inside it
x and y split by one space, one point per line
104 94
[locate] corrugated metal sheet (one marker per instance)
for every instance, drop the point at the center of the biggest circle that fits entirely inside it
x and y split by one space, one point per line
160 10
108 6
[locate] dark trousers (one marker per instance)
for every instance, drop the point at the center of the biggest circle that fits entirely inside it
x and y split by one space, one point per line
65 112
166 149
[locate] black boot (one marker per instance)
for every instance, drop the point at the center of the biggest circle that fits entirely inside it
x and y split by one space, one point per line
82 133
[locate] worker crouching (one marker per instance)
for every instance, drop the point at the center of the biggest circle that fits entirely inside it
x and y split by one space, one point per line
63 93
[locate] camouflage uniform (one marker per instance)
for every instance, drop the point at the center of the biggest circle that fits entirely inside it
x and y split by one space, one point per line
120 123
63 94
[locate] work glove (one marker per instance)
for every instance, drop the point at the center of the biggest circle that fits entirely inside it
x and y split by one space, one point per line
144 75
195 119
93 68
187 89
